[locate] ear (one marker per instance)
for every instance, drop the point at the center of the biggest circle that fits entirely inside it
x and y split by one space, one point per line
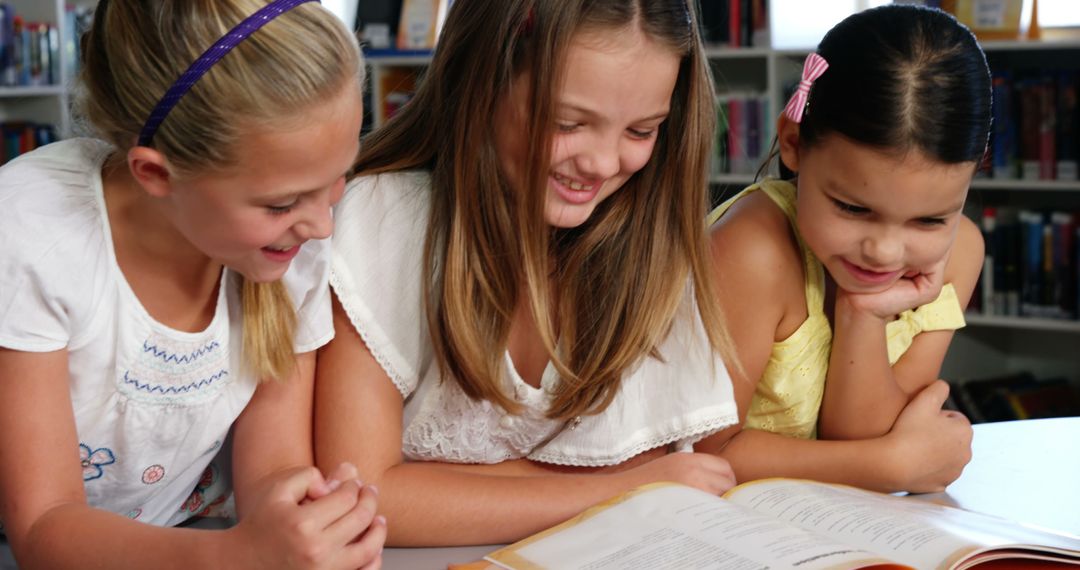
787 133
151 169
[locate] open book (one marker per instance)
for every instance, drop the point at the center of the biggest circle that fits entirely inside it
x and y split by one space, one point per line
783 523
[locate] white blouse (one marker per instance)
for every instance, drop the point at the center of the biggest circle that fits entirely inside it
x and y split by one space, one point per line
377 273
153 405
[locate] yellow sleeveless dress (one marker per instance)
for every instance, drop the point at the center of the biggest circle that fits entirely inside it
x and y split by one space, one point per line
791 388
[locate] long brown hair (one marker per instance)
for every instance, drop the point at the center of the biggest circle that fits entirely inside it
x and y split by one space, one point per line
604 294
137 49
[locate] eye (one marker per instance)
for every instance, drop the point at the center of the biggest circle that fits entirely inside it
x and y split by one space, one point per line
932 221
567 127
641 134
850 208
280 210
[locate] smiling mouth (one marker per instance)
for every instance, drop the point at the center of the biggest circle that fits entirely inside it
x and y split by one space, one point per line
869 275
571 184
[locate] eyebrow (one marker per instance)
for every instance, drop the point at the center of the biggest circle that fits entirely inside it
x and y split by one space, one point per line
589 112
296 193
834 189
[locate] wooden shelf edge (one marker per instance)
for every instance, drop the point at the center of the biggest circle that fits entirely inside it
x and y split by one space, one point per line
31 91
1022 323
1020 185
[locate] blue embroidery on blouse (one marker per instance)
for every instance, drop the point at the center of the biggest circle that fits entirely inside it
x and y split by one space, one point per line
166 356
147 387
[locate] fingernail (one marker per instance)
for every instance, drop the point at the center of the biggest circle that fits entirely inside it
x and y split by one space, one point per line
381 520
333 484
374 489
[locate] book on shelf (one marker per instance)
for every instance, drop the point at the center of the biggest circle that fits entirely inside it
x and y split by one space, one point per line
29 51
420 23
782 523
743 121
1031 267
988 19
22 137
735 23
1036 126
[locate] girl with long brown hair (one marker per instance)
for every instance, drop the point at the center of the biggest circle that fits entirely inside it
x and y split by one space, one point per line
526 321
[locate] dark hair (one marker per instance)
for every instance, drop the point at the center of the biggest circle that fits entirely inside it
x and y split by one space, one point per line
903 77
619 277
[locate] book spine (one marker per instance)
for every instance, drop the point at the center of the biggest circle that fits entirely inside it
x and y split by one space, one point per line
1047 131
1002 144
7 45
1028 102
1067 117
735 23
986 281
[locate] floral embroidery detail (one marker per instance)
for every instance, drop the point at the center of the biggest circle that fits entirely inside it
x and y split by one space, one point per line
153 474
134 514
196 500
93 461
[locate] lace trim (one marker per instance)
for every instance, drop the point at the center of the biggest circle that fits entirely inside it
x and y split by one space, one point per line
348 302
452 427
691 434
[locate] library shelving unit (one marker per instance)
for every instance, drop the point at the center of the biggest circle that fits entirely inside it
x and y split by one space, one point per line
392 77
989 345
47 104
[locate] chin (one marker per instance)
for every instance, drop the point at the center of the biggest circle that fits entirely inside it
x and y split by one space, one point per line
261 275
566 217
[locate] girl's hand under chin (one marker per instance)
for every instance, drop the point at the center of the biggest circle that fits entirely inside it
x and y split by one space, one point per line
914 289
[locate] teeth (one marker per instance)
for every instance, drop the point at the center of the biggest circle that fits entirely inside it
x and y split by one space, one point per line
278 249
571 184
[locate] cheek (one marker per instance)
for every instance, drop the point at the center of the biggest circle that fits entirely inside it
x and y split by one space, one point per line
928 250
637 156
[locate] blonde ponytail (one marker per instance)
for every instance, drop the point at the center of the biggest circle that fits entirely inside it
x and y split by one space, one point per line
269 325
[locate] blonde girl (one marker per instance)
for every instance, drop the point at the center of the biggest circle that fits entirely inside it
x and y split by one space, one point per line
164 288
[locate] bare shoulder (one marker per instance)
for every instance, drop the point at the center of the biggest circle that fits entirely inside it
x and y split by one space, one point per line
965 261
755 239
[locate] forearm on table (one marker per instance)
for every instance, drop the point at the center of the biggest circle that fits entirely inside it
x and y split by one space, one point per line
78 536
430 504
756 454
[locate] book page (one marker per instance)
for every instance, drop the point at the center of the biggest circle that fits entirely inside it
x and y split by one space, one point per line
674 527
911 532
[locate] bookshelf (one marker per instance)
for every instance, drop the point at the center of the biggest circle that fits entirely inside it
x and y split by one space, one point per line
45 104
991 344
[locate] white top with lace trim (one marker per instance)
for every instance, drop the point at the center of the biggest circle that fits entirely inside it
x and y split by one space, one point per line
377 274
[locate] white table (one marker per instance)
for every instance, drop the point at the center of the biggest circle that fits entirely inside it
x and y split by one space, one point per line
1026 471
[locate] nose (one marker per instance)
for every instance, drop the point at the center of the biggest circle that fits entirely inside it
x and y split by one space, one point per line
883 249
602 159
319 221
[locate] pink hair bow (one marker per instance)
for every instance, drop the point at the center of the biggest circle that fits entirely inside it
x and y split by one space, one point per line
814 66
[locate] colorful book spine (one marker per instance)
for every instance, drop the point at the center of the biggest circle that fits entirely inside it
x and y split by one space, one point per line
1002 139
1067 117
1036 125
1031 263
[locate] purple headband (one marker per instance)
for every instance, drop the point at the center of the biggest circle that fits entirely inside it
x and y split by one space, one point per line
208 59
